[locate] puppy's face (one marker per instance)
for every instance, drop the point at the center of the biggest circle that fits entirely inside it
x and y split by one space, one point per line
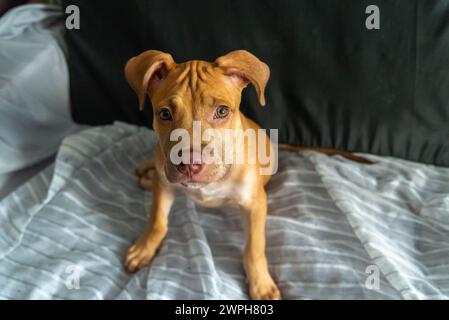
193 105
195 91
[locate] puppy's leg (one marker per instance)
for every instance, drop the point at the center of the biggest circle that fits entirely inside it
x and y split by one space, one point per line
145 171
261 285
144 249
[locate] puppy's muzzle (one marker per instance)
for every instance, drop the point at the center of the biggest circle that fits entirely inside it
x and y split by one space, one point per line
192 166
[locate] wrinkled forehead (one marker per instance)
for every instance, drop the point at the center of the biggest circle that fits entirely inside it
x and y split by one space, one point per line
197 82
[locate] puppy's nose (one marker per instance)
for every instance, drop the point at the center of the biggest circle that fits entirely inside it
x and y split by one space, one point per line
192 165
190 169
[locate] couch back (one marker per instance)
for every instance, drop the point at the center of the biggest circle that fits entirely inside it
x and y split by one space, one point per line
334 82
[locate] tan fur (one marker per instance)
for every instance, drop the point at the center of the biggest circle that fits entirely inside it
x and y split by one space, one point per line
194 89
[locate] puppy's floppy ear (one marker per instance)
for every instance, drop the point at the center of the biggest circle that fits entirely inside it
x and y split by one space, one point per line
244 67
146 70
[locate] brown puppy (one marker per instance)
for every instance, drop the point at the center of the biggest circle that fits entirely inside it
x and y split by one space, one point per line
209 93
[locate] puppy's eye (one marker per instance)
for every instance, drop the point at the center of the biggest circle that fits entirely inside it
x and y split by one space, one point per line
165 114
221 112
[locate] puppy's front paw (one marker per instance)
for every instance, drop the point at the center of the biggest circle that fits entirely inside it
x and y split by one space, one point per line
138 256
264 290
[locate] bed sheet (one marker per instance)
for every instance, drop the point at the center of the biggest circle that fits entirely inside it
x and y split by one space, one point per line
336 229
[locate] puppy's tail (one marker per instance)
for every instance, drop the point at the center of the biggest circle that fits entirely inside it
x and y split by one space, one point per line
328 151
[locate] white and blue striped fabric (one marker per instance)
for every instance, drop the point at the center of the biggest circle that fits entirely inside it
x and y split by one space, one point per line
336 229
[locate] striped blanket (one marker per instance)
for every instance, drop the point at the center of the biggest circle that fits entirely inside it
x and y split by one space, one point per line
336 229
